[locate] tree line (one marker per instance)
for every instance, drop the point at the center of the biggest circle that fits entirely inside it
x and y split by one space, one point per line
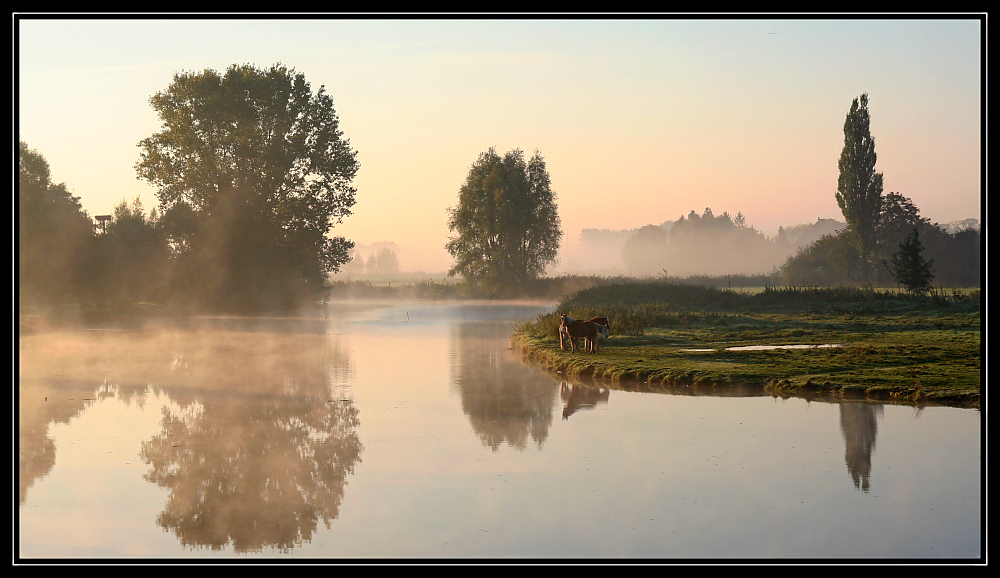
703 243
818 254
252 173
379 259
507 231
884 240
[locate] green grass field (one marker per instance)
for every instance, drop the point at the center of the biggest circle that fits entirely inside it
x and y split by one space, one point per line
877 344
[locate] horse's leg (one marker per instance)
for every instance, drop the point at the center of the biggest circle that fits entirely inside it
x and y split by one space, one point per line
592 338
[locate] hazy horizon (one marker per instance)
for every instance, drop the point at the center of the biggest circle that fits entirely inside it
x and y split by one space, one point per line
640 121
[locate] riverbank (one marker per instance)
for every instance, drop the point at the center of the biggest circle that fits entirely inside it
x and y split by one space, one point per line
851 343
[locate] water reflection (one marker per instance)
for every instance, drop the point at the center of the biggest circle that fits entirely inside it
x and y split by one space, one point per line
577 396
36 449
258 447
58 379
506 401
858 420
859 424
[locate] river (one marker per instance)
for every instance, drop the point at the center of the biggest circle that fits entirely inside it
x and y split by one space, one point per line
410 430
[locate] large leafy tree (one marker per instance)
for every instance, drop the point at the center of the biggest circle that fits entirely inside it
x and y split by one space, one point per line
899 217
506 224
859 188
253 171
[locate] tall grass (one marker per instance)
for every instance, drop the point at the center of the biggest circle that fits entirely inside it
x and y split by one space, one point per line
633 306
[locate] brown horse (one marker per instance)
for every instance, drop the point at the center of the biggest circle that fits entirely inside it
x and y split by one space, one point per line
573 329
603 327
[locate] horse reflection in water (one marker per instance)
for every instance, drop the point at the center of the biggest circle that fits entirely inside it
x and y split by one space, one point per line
577 396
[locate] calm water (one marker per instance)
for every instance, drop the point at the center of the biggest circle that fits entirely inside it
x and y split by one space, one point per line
412 431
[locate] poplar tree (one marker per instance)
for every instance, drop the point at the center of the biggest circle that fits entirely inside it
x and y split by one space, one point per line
859 188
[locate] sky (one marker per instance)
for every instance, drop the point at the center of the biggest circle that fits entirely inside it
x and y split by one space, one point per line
640 120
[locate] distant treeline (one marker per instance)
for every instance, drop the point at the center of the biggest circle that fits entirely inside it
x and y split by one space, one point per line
707 248
131 257
244 221
705 244
379 259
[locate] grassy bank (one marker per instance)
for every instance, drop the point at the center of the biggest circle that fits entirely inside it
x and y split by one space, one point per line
876 344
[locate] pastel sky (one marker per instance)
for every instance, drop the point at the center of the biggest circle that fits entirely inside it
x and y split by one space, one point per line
639 120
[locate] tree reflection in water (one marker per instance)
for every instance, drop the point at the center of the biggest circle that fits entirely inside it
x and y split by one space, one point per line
859 424
61 375
36 449
506 401
259 453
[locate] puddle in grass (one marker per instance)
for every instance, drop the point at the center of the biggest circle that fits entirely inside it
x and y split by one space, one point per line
763 347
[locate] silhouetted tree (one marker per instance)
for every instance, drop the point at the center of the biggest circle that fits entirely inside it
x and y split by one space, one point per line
506 222
956 254
859 188
829 260
832 260
135 253
55 234
909 268
899 216
252 171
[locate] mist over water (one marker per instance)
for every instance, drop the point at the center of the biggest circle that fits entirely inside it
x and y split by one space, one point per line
411 429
